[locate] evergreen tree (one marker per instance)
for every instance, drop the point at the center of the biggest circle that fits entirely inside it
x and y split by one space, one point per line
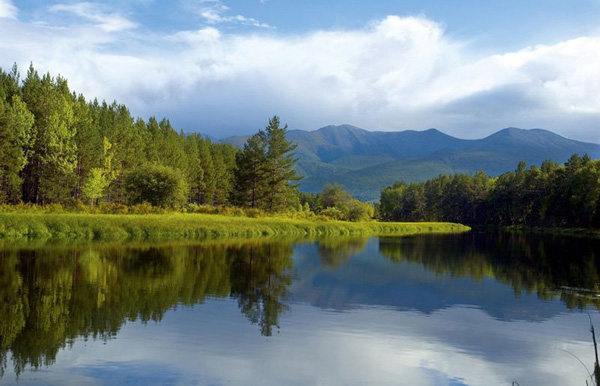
207 194
88 141
50 171
193 171
280 165
15 136
250 189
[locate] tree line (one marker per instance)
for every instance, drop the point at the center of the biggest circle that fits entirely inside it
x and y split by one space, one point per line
551 195
58 147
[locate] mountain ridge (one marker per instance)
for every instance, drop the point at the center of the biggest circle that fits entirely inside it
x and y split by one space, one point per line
367 161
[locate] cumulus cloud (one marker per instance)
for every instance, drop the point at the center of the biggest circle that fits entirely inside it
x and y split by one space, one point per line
110 22
395 73
7 10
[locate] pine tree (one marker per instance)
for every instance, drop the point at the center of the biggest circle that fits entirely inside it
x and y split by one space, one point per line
208 169
250 189
88 140
50 172
15 136
280 165
193 171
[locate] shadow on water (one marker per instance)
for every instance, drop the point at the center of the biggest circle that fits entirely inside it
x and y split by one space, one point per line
50 296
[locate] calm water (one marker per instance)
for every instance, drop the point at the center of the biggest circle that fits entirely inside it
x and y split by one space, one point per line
473 309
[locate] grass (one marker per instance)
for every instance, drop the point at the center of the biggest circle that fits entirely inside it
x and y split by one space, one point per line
180 226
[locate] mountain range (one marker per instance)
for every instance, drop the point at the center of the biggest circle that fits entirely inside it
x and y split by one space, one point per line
365 162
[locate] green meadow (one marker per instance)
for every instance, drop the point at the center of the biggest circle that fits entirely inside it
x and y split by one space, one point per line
182 226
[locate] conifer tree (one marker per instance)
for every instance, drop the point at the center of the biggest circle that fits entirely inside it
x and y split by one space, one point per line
50 171
15 136
208 169
250 174
281 175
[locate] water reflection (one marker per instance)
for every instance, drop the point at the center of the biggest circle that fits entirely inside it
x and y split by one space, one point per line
53 297
550 266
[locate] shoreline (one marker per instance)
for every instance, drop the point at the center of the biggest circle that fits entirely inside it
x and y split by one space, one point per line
180 226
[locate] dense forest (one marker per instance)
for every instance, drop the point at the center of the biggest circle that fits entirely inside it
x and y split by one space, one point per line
56 147
551 195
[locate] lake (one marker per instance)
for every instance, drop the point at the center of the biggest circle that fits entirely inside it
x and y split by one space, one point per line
465 309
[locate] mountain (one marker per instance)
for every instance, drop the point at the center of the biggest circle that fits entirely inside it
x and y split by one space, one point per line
367 161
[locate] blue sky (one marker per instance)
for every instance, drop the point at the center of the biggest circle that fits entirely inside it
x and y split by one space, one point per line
223 67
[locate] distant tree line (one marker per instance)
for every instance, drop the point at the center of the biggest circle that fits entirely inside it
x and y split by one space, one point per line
551 195
58 148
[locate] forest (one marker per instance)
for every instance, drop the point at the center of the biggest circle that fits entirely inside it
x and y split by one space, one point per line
550 196
56 147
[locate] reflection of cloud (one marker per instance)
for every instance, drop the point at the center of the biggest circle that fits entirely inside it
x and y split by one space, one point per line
398 72
212 344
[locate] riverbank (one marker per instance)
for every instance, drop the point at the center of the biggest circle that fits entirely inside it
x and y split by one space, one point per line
177 226
582 232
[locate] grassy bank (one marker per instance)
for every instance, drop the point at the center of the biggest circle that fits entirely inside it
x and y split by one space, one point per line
176 226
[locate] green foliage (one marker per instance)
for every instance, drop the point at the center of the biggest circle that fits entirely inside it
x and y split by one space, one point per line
158 185
281 175
47 222
250 189
265 175
95 185
336 203
53 144
552 196
15 137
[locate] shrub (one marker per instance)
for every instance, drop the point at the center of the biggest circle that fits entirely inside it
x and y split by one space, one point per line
333 213
157 185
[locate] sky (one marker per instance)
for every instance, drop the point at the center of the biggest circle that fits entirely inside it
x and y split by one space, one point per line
223 67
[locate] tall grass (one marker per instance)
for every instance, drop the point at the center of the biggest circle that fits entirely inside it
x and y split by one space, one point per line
175 226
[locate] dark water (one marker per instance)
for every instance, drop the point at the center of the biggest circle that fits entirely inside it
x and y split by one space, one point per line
472 309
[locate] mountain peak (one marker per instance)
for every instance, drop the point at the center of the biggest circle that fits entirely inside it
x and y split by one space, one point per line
340 128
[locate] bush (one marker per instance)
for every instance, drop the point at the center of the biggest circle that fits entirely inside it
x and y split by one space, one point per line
157 185
333 213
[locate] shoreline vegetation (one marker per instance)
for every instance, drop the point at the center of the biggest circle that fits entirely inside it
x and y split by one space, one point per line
194 226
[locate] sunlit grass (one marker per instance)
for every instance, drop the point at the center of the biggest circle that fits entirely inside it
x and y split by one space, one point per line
175 226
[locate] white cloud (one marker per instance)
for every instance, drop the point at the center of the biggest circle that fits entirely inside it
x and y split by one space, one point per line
110 22
215 12
396 73
7 10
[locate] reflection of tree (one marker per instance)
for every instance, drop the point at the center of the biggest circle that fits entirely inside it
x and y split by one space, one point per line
336 251
49 297
530 263
259 282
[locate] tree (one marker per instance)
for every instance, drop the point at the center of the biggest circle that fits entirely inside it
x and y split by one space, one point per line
50 172
95 185
100 178
15 136
281 175
250 189
157 185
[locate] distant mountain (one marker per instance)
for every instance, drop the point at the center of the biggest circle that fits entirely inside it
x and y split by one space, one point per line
367 161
